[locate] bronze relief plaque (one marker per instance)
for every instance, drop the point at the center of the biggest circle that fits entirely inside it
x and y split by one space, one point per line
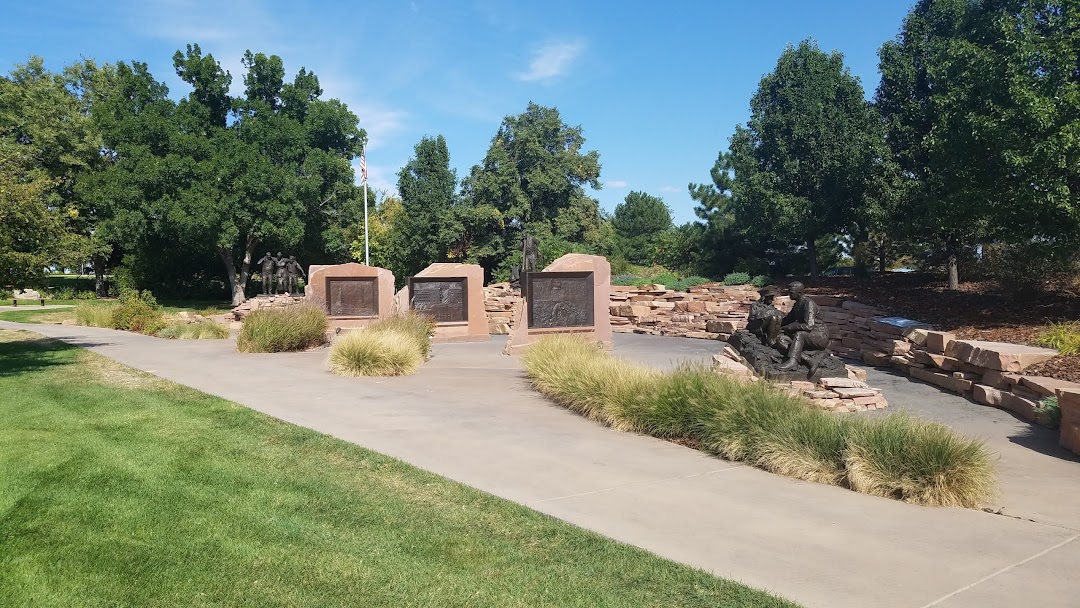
559 299
445 299
352 296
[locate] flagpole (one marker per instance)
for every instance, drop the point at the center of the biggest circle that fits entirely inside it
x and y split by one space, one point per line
367 253
363 178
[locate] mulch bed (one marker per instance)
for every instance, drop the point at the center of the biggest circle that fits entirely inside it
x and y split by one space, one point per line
977 311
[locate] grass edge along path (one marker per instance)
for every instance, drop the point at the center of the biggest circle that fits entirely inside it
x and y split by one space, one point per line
896 456
120 488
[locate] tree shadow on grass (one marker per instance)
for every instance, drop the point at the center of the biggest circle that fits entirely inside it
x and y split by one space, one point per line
22 356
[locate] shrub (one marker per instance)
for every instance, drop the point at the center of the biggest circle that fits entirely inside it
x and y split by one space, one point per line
138 311
1048 413
93 314
1063 336
64 293
687 283
6 294
737 278
760 281
1030 267
897 456
395 346
85 295
664 278
201 330
273 330
625 279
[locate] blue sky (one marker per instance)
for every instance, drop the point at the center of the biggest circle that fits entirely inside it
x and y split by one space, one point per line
657 89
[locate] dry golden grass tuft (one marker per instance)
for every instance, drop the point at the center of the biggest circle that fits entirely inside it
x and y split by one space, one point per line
895 456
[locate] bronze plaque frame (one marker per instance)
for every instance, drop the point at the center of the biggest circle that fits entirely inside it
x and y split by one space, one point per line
361 309
566 317
463 282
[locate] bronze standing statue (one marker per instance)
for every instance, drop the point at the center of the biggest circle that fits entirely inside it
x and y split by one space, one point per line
267 264
280 282
530 255
294 271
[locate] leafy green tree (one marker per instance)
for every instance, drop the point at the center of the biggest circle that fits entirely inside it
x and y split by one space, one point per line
186 176
427 228
981 102
803 162
382 221
532 179
638 221
47 116
29 227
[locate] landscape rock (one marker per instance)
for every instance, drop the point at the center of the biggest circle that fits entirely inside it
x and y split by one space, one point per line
998 355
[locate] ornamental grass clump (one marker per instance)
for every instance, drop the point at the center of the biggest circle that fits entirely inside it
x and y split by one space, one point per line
1065 337
200 330
93 314
396 346
274 330
754 422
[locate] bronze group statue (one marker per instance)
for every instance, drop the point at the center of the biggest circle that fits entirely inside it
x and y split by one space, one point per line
787 347
279 273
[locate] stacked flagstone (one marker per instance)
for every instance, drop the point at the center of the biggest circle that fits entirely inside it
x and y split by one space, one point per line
260 302
851 394
500 303
712 311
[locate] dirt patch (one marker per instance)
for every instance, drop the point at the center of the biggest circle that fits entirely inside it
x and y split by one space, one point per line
102 370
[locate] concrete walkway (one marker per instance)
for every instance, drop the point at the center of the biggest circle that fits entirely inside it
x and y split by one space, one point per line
470 416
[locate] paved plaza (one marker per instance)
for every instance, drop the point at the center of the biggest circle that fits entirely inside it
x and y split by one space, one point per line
470 415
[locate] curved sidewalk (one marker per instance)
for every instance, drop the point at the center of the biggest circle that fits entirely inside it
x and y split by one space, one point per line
470 416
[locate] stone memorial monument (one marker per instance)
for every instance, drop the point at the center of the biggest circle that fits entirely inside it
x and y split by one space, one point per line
453 295
569 296
353 295
787 347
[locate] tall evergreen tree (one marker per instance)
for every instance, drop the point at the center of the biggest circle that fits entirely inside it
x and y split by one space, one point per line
638 222
532 179
803 162
427 227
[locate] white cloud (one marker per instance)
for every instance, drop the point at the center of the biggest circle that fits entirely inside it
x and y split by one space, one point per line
615 183
671 189
552 59
381 123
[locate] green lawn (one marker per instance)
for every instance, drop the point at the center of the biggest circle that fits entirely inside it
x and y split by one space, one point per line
36 314
118 488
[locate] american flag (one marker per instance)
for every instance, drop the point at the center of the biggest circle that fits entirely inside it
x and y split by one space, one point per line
363 165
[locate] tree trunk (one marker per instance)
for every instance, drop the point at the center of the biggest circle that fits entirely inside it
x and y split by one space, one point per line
99 275
811 250
230 269
245 267
238 280
952 252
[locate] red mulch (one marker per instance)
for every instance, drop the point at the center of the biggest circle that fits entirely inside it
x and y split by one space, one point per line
978 310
